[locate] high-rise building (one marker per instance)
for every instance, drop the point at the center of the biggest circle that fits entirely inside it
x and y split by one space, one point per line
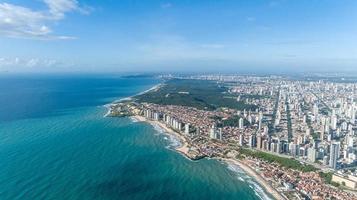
322 135
353 116
212 133
252 141
266 130
277 118
311 154
325 160
187 128
249 118
273 147
241 140
219 134
260 118
327 125
333 122
350 141
334 154
241 123
259 141
315 110
278 147
294 148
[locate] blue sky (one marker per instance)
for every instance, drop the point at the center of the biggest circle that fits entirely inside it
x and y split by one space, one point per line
182 35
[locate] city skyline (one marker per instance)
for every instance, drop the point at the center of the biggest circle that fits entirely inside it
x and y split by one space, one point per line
142 36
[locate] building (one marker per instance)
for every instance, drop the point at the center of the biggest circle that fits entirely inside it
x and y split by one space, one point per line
259 141
334 154
187 129
212 132
294 148
333 122
252 141
241 123
241 140
311 154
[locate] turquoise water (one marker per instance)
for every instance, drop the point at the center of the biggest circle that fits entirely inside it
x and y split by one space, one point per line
56 144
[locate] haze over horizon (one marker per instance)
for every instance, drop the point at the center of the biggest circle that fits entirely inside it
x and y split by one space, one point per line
152 36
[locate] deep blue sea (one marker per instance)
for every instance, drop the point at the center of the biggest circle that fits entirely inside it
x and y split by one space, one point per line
55 144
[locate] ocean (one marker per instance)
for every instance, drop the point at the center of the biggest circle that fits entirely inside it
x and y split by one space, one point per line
55 144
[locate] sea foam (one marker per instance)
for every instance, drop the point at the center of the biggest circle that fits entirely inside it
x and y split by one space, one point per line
242 176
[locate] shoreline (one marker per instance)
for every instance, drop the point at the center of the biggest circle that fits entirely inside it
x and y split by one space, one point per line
257 177
129 98
183 149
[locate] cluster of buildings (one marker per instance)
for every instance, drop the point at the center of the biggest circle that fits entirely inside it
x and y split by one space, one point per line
313 122
294 184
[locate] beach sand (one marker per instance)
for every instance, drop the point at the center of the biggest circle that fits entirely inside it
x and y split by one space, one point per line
109 105
252 173
184 149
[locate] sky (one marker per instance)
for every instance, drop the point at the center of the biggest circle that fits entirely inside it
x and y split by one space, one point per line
177 35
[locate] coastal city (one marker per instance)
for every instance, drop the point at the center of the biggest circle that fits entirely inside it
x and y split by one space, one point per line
296 136
178 100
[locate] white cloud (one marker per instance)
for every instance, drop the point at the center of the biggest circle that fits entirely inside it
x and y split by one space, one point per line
10 63
171 47
58 8
22 22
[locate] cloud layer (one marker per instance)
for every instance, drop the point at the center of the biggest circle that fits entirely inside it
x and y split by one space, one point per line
22 22
8 63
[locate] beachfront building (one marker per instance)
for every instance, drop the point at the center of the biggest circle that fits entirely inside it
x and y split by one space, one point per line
187 129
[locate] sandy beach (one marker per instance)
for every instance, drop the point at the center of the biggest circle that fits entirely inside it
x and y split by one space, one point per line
184 149
252 173
108 106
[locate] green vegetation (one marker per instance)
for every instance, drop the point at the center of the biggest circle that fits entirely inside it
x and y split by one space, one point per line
200 94
335 184
314 135
326 176
285 162
234 121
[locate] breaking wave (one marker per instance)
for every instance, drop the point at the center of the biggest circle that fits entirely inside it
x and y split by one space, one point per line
242 176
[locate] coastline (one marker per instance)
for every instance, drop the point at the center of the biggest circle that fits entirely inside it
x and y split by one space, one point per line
184 149
258 178
108 105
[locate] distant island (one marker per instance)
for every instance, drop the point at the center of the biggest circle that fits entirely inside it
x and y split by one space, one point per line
273 127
